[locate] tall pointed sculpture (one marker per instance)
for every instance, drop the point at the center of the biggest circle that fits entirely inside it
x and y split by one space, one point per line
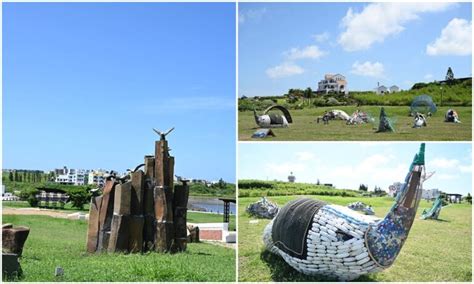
316 238
143 210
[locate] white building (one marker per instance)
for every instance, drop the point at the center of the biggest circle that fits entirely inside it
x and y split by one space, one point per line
333 83
395 188
430 194
394 89
97 177
381 90
72 176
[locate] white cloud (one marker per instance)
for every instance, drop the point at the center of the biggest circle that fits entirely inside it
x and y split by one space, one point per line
447 177
376 170
251 15
305 156
444 163
380 20
322 37
465 169
455 39
428 76
286 69
312 52
283 169
368 69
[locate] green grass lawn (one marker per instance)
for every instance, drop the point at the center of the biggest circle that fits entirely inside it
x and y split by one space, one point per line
193 217
24 204
304 126
59 242
434 251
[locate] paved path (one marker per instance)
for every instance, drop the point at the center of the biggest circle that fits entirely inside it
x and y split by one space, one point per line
35 211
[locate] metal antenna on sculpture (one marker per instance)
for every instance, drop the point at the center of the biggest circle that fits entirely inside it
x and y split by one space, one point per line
163 134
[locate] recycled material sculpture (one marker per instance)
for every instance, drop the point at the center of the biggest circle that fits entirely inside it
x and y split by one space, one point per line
362 207
434 211
385 125
451 116
273 120
263 208
143 211
316 238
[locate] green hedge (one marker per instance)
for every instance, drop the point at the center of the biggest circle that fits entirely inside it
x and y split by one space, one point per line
256 188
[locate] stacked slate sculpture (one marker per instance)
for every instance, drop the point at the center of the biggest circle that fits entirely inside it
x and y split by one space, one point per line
316 238
142 211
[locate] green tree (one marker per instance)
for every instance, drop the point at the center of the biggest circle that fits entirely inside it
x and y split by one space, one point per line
363 187
469 198
16 176
10 176
449 75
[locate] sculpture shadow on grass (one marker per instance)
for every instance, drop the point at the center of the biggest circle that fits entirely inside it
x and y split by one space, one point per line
282 272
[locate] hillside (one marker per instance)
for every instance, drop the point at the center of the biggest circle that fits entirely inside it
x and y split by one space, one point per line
459 93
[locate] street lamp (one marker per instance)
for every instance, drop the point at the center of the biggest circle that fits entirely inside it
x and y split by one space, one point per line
441 103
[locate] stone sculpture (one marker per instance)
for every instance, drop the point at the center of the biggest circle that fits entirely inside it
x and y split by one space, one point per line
273 120
143 210
263 209
316 238
13 240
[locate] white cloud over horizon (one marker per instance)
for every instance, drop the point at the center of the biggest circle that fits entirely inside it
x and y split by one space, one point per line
378 21
308 52
455 39
368 69
252 15
286 69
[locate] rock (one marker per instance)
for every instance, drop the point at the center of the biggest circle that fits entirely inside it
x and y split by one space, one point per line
263 209
10 266
13 239
59 271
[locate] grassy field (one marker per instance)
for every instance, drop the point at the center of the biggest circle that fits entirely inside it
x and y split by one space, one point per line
59 242
304 126
434 251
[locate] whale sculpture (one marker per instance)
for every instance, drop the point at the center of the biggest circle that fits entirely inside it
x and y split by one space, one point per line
273 120
317 238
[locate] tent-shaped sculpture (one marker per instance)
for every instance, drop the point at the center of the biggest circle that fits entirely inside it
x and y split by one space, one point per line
385 125
272 119
433 212
423 104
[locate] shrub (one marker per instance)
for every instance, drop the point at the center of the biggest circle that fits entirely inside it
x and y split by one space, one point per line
79 197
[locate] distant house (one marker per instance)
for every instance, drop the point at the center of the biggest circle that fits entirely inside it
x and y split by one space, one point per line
394 89
333 83
395 188
430 194
381 90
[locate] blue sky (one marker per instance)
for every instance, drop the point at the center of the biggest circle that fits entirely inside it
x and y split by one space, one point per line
84 84
347 165
292 45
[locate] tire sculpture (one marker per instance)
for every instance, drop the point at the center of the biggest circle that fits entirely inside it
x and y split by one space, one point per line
273 120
